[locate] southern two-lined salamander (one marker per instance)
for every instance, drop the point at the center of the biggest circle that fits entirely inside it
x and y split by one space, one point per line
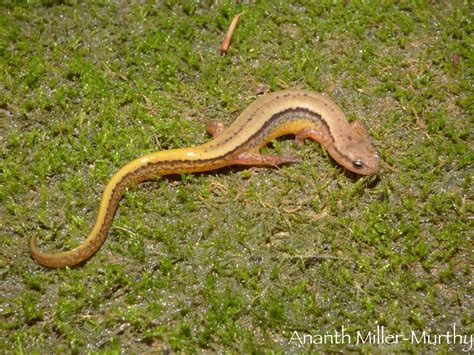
302 113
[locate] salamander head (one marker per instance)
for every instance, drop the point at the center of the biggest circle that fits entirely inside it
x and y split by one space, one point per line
359 154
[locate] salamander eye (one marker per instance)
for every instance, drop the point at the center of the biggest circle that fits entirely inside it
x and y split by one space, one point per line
358 164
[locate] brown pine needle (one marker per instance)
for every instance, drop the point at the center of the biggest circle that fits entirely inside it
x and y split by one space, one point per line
228 36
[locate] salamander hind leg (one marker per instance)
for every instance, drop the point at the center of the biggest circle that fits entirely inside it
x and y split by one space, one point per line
254 158
215 128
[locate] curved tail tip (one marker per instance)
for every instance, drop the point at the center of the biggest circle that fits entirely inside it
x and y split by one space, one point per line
33 244
34 251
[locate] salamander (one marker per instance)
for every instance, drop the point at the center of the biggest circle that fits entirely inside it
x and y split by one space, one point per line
304 114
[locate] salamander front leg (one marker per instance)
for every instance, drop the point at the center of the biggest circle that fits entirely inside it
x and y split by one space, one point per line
253 158
319 136
359 128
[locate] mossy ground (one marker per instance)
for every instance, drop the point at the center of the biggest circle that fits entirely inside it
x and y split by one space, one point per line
240 258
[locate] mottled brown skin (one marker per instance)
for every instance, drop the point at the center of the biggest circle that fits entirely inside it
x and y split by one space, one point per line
302 113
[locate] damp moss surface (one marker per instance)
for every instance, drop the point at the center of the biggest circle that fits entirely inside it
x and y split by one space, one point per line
240 259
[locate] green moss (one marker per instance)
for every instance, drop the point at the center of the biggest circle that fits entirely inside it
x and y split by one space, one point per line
237 259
